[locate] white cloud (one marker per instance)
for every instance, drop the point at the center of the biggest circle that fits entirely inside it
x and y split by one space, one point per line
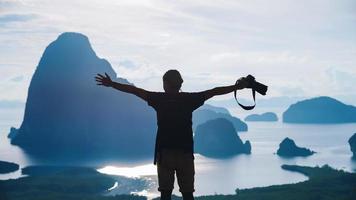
341 82
288 44
262 58
17 78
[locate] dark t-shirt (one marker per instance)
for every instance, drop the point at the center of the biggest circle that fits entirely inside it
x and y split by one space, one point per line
174 119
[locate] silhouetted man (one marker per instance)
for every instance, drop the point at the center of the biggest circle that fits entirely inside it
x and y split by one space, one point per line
174 141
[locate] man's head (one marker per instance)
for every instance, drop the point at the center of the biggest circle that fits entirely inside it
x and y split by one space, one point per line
172 81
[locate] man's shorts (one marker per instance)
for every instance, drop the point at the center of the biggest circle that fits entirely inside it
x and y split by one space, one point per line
170 161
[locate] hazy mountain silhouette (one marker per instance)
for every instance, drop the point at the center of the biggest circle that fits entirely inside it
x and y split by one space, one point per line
320 110
68 114
214 108
352 143
218 138
203 115
265 102
288 148
267 117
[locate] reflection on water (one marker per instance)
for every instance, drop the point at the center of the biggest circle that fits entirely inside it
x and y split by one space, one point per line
223 176
116 184
147 193
131 172
218 176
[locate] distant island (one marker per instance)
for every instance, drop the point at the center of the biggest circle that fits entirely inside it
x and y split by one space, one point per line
218 138
216 109
7 167
264 117
352 142
288 148
206 113
68 116
320 110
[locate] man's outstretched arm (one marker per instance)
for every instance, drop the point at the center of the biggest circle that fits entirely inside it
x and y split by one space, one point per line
106 81
241 84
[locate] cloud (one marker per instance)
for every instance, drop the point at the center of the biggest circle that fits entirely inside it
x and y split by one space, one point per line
8 3
10 104
342 82
17 78
128 64
282 42
142 75
292 91
11 18
256 57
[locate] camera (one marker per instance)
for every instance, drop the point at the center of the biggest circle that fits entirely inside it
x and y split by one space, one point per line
254 85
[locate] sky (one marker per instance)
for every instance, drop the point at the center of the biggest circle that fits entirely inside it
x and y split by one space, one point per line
297 47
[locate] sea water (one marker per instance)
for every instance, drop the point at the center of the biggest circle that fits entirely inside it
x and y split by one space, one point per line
223 176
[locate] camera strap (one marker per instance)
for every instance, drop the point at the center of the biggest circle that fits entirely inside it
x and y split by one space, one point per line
243 106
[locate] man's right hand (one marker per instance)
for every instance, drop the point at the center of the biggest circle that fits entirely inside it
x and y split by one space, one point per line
103 80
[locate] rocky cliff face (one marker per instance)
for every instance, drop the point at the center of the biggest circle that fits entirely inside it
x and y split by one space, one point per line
68 114
288 148
322 110
218 138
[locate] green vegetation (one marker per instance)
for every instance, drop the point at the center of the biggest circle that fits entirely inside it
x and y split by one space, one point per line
69 183
324 183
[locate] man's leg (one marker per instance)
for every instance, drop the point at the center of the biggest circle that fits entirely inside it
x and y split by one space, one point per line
166 194
185 175
165 173
188 196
